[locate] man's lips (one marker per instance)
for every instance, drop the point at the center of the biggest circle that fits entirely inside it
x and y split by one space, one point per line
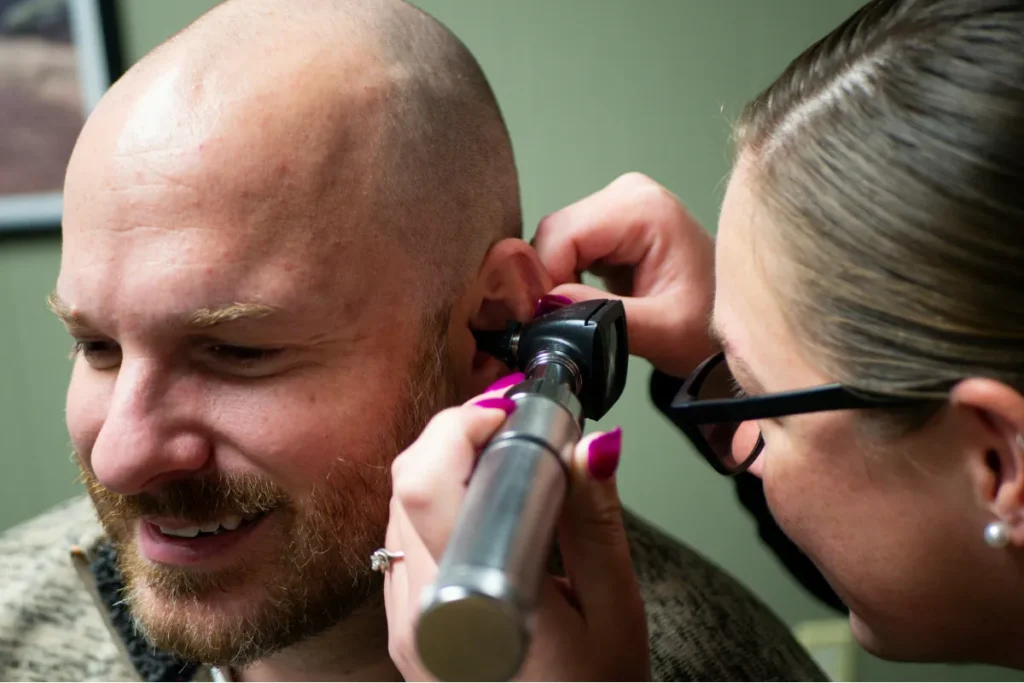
187 545
172 526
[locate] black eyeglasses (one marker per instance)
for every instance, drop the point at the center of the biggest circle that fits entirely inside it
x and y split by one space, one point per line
722 424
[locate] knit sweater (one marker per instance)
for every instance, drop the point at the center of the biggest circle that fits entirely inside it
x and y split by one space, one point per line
60 616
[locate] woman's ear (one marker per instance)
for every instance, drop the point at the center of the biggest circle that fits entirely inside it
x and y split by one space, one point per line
997 458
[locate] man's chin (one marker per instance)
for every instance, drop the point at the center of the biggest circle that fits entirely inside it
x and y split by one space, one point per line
223 616
245 611
211 626
224 594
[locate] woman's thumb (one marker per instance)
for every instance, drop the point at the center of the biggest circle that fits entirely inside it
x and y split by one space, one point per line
593 512
593 541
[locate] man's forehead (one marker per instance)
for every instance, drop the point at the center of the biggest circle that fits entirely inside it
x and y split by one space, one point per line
198 266
281 136
239 160
213 205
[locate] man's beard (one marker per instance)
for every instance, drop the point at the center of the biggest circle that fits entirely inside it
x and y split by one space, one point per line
315 568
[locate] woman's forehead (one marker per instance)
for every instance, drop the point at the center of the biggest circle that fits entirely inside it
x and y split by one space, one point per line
749 280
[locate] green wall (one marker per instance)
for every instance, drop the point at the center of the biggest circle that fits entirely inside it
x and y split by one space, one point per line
591 89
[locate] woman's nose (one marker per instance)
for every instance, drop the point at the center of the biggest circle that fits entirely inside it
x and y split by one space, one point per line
757 466
746 440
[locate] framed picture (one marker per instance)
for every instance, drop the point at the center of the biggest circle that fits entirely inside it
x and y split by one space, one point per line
57 58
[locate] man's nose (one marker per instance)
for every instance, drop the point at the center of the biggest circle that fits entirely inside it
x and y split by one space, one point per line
147 437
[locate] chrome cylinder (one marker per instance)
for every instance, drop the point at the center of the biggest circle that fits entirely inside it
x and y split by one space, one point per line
475 622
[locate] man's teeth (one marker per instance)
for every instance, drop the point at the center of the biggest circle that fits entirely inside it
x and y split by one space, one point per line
187 532
229 523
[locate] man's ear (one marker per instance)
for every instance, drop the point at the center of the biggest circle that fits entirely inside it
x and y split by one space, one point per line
996 462
507 286
509 283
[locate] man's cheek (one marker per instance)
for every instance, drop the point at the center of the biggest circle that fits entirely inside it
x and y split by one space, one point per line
293 441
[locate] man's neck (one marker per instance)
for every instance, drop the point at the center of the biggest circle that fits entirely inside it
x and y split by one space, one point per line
354 650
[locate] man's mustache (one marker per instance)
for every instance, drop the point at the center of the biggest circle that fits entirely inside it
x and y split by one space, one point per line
196 499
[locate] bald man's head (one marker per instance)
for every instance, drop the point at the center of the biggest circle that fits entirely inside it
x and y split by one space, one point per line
341 116
279 228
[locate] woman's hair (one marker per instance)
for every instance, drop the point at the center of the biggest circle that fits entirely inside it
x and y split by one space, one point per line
890 159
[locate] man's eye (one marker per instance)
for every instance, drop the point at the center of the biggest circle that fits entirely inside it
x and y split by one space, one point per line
101 355
244 356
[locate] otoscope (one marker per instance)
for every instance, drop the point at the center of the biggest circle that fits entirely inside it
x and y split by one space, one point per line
476 619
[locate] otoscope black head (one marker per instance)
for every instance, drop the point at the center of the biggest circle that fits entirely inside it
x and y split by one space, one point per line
499 343
591 333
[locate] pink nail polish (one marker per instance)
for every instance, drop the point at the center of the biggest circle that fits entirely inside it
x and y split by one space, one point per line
603 454
506 381
500 402
550 302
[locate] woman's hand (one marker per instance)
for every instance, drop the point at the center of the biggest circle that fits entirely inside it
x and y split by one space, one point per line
590 625
641 241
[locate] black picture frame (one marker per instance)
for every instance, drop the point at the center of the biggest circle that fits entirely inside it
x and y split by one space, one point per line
52 51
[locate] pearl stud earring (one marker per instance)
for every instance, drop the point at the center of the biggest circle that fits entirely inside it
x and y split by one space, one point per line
997 534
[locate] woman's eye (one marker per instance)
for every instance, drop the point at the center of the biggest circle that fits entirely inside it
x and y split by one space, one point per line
737 390
101 355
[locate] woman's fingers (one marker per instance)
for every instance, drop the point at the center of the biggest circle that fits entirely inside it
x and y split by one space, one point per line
429 477
404 583
592 620
611 225
651 253
595 548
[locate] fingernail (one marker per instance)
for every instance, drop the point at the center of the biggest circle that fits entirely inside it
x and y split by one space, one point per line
550 302
506 381
603 454
500 402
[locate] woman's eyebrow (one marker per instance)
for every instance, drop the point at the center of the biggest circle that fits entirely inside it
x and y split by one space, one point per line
739 368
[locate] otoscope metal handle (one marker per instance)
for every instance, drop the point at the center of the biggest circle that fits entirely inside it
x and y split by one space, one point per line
475 619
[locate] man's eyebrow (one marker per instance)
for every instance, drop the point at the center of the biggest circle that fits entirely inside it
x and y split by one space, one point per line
61 309
202 318
737 366
210 317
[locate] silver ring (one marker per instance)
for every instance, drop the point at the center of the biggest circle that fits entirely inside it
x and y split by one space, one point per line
380 560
